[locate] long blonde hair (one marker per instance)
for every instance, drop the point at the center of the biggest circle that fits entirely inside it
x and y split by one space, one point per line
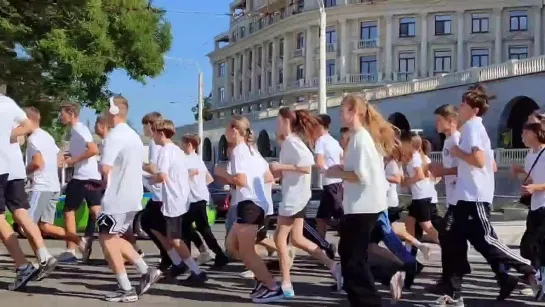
382 132
417 144
242 125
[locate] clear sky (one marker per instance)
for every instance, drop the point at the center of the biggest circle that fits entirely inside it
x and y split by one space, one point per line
193 37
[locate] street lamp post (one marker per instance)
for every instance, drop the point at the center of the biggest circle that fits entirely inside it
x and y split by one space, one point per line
322 103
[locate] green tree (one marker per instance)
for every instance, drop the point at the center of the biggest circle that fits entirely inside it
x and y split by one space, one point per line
206 109
64 50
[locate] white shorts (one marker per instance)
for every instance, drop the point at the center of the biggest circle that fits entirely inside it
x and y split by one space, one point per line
115 223
43 206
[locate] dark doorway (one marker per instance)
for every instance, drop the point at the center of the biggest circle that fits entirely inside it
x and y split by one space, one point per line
513 117
207 150
264 144
222 148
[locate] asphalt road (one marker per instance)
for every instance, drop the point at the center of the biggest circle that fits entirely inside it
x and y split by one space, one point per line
85 285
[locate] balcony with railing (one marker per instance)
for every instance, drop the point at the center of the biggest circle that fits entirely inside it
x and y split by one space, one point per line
403 76
365 44
297 53
363 78
329 47
301 83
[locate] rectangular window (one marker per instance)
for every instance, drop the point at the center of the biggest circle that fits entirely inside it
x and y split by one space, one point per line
300 40
479 23
240 88
221 94
329 3
518 52
281 47
250 84
221 69
261 23
269 78
242 32
280 76
251 27
368 65
241 63
259 56
258 82
442 61
368 31
250 58
479 57
330 68
300 6
299 72
406 62
232 67
270 52
518 21
407 27
232 88
443 25
331 36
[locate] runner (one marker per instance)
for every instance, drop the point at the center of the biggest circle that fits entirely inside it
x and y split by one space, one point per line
86 183
14 198
298 129
121 169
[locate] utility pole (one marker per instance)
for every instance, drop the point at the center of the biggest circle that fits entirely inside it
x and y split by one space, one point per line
322 103
200 119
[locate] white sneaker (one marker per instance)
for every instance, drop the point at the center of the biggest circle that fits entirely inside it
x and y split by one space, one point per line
203 258
396 285
247 275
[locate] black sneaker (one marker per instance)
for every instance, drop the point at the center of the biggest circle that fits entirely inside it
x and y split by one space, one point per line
268 296
220 261
148 279
23 276
330 251
507 285
257 289
177 270
122 296
46 268
411 271
195 280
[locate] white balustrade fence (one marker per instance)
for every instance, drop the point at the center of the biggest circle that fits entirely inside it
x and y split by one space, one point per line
504 157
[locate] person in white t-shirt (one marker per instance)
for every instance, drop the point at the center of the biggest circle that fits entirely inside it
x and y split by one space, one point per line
199 179
85 185
297 129
372 138
14 198
121 165
327 153
532 245
422 190
474 193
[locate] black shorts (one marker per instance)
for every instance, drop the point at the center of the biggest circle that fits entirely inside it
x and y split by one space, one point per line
152 217
420 210
394 214
79 190
15 196
250 213
331 202
174 226
263 230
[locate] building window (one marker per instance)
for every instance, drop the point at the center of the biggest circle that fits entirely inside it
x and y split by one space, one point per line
269 78
232 67
518 21
300 6
242 32
240 88
407 27
250 58
300 40
280 76
250 84
368 65
259 56
443 25
479 23
368 31
241 63
300 99
221 93
261 23
442 61
281 47
329 3
299 72
232 89
479 57
221 69
258 82
331 36
251 27
270 52
518 52
406 62
330 68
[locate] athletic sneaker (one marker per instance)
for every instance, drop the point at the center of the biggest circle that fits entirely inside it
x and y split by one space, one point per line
507 286
247 274
23 276
288 290
269 296
338 276
396 286
86 247
148 279
122 296
447 301
46 268
220 261
257 289
177 270
67 257
203 258
195 279
330 251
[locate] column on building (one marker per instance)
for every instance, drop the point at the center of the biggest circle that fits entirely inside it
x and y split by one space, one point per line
236 77
254 69
274 63
498 40
424 45
537 31
245 65
263 66
460 44
288 38
228 78
389 49
344 52
310 48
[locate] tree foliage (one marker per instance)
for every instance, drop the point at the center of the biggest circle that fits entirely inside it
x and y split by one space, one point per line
63 50
206 109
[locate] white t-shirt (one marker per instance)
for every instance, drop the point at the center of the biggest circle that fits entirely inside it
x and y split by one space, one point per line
176 190
267 186
17 168
11 114
123 153
156 190
296 191
449 162
328 147
537 175
392 169
422 188
362 157
244 162
432 183
475 184
198 185
47 178
86 169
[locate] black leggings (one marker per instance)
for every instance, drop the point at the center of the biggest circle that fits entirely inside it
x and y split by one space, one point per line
532 244
198 214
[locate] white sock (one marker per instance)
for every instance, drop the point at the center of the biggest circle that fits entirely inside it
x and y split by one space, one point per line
43 254
123 281
173 255
141 265
192 265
